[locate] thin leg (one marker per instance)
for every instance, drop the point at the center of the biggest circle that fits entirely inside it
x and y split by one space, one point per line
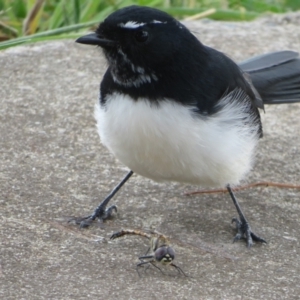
147 251
101 212
178 269
145 257
242 225
154 265
148 264
139 265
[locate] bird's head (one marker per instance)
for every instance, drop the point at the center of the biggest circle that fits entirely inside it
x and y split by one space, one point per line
138 42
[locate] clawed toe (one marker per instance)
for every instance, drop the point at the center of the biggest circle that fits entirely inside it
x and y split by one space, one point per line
83 222
108 212
100 214
244 232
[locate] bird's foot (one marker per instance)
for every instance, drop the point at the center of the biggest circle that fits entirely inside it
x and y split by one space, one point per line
244 232
101 213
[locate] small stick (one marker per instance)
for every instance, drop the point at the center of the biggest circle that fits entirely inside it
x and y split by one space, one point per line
201 15
247 186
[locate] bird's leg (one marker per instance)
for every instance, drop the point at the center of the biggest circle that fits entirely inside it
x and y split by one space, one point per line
101 212
242 225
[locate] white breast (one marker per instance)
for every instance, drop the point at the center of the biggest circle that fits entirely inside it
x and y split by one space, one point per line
171 142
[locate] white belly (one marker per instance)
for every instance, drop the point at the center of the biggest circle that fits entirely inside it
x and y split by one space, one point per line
170 142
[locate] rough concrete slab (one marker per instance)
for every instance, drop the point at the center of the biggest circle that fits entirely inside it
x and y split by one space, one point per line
53 166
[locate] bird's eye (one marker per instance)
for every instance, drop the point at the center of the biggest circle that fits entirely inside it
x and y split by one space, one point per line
141 36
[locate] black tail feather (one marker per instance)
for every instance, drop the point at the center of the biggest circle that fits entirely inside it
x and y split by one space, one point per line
276 76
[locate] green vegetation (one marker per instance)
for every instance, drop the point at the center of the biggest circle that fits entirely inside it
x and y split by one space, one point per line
24 21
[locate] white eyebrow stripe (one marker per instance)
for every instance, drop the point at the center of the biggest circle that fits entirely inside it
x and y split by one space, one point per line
158 22
131 25
134 24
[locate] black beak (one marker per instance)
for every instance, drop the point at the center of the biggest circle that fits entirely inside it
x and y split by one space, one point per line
94 39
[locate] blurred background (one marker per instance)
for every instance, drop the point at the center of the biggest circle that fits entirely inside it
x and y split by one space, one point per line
24 21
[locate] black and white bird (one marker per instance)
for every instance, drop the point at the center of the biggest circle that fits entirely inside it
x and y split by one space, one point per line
173 109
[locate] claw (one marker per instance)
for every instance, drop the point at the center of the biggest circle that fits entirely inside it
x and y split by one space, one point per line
100 214
244 232
79 220
86 222
108 212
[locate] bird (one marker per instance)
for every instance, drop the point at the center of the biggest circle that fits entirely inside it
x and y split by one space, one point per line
175 110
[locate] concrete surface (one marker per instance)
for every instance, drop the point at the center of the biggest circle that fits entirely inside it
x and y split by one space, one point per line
53 166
